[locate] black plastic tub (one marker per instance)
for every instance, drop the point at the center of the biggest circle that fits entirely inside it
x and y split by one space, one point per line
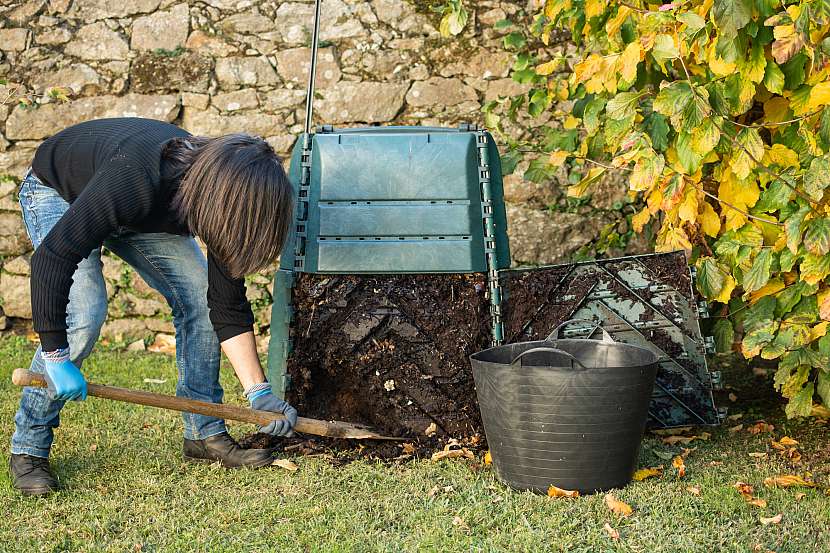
569 413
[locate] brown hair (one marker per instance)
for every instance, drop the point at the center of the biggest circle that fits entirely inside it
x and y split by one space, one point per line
233 194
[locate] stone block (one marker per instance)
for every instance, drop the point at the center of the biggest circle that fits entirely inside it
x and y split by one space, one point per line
234 101
13 40
247 23
13 237
211 123
504 87
79 77
97 42
198 101
294 65
484 64
15 296
189 72
20 265
437 91
366 102
337 21
166 30
282 98
27 124
53 36
92 10
203 42
539 237
125 330
245 71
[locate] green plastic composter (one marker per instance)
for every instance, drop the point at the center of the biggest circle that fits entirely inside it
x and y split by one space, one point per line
390 200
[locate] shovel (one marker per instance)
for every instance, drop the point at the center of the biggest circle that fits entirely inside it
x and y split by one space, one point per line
330 429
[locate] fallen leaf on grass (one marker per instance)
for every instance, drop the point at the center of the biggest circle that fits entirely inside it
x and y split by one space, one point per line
788 481
735 417
553 491
665 455
431 429
772 520
448 453
154 381
758 455
672 431
612 533
285 464
686 451
744 489
732 397
650 472
736 428
673 440
787 441
694 490
619 507
759 427
458 521
408 448
800 495
680 465
758 502
488 459
820 411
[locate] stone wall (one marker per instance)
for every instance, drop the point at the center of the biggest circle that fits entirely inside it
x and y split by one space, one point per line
220 66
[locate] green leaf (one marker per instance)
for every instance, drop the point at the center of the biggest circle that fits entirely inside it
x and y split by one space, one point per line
657 127
560 139
686 107
794 71
758 275
760 335
686 155
711 277
751 151
773 78
664 50
724 336
502 24
706 137
623 105
787 260
817 236
817 177
787 299
731 16
759 313
539 170
590 115
823 386
694 23
801 404
515 40
792 227
509 161
775 197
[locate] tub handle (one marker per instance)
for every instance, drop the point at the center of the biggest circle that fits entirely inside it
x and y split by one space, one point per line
554 336
574 360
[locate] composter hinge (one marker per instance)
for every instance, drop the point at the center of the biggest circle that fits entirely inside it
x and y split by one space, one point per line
488 221
301 216
326 128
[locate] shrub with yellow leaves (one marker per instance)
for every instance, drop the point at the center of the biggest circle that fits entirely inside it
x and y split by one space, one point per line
720 114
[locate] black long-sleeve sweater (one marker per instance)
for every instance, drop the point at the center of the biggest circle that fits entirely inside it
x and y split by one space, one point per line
109 170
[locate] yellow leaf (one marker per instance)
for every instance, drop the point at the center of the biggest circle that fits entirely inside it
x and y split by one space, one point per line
594 8
680 465
704 8
818 330
452 453
772 287
772 520
617 506
555 7
613 25
762 503
776 109
823 299
689 207
717 65
629 60
647 169
642 474
570 122
709 220
586 69
578 190
728 287
694 490
819 96
286 464
547 68
782 156
488 459
553 491
558 157
639 220
739 193
788 481
674 239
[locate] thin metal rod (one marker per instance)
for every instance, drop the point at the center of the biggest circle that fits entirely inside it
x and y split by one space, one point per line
309 101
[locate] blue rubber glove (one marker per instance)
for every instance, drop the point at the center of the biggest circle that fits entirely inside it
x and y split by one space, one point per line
64 380
261 398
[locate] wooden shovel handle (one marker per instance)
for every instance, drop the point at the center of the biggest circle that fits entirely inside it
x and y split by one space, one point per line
332 429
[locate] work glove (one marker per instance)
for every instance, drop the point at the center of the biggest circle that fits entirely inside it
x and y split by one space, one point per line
260 397
64 380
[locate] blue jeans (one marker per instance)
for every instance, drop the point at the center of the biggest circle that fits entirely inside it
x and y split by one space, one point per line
171 264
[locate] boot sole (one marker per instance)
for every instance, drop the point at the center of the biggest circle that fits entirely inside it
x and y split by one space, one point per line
203 461
36 492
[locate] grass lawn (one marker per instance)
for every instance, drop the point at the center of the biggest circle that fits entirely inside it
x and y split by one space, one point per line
126 489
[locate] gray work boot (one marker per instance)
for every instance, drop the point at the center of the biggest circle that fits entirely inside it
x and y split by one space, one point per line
31 475
224 449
